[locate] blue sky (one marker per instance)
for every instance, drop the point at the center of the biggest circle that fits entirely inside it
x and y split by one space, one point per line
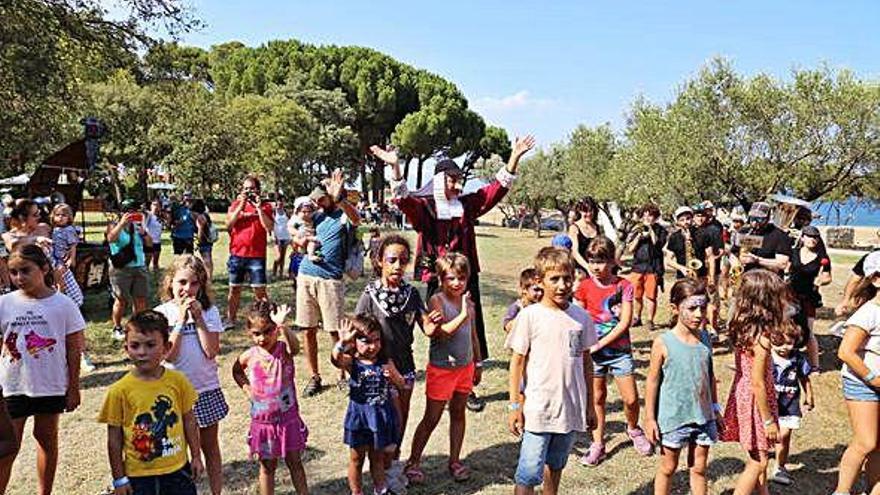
547 68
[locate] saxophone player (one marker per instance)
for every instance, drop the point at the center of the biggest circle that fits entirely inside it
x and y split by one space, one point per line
684 251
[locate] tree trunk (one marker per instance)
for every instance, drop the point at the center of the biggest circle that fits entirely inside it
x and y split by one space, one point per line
419 172
406 168
537 216
362 170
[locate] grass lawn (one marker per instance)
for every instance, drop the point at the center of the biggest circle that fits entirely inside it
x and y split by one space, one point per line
489 450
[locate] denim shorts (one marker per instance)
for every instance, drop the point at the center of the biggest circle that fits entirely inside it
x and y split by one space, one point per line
705 435
859 391
622 365
246 268
538 449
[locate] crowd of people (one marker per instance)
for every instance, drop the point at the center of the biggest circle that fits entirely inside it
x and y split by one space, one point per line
748 284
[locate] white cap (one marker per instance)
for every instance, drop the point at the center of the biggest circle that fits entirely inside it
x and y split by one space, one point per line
682 210
303 201
872 264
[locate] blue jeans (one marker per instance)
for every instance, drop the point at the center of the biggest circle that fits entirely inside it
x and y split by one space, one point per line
622 365
179 482
246 268
705 435
859 391
538 449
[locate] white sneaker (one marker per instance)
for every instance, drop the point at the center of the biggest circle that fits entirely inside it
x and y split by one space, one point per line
118 333
228 325
781 476
85 364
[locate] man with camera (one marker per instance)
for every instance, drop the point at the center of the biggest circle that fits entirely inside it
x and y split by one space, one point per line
249 220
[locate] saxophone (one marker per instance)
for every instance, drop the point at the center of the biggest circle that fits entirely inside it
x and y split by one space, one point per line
693 264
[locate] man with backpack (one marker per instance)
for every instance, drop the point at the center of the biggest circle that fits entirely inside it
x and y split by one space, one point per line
320 289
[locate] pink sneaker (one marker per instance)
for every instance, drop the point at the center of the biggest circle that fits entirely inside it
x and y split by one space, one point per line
594 455
640 441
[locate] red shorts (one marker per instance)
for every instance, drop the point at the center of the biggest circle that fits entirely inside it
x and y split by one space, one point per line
644 285
442 383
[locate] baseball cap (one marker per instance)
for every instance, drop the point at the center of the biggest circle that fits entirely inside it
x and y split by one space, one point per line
129 204
872 264
682 210
810 231
759 209
561 241
303 201
707 205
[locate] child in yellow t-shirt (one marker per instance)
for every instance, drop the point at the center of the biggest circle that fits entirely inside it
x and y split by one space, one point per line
149 417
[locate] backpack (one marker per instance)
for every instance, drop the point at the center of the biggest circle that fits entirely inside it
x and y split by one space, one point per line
213 234
354 253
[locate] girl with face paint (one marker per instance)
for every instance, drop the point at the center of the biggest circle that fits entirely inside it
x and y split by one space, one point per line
681 399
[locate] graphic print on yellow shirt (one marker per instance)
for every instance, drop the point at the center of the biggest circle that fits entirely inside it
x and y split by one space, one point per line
150 414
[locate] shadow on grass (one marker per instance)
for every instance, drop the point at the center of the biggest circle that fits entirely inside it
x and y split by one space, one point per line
493 465
724 466
99 379
242 475
828 345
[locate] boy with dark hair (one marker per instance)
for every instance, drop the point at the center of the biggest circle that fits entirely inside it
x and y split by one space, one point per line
149 417
554 337
530 292
646 244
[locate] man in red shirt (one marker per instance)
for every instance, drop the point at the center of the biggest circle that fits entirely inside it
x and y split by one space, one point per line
248 220
444 221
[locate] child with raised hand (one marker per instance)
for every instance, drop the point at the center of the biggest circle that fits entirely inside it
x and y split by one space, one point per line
609 300
680 397
398 308
554 337
149 416
371 422
791 372
758 322
266 374
195 343
39 363
452 370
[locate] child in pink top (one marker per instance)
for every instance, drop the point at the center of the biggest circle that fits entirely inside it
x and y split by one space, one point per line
266 374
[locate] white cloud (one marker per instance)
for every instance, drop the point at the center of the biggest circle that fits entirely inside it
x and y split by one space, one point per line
518 101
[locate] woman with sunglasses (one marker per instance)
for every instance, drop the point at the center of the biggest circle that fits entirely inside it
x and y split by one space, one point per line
810 269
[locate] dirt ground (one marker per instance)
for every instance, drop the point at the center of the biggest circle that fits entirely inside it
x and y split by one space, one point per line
489 450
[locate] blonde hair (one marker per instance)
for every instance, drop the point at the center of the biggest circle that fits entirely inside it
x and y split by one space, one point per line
553 258
453 262
197 266
61 208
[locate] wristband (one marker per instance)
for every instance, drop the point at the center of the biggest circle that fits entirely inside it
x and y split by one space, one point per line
717 408
870 376
514 406
768 422
120 482
478 364
340 347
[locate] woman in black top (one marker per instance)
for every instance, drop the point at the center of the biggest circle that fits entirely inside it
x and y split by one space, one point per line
810 268
583 230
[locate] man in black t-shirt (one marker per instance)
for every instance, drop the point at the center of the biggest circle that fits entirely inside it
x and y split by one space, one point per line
677 246
710 232
769 246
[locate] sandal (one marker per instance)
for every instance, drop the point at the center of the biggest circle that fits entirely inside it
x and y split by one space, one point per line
414 474
459 471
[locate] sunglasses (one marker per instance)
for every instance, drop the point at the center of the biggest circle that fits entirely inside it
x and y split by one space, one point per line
757 219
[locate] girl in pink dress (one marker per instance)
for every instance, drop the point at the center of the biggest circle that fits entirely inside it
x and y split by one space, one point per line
265 372
750 417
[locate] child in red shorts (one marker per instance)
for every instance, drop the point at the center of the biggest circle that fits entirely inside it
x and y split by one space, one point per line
452 371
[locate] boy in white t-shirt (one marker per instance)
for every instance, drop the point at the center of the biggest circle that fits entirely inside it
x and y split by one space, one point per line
556 337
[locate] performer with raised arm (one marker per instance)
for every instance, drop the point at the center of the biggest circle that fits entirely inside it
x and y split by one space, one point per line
444 220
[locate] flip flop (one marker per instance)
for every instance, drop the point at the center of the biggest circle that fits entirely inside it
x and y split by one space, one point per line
459 471
414 474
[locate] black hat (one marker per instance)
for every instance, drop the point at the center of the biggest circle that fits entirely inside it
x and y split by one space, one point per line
810 231
448 167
